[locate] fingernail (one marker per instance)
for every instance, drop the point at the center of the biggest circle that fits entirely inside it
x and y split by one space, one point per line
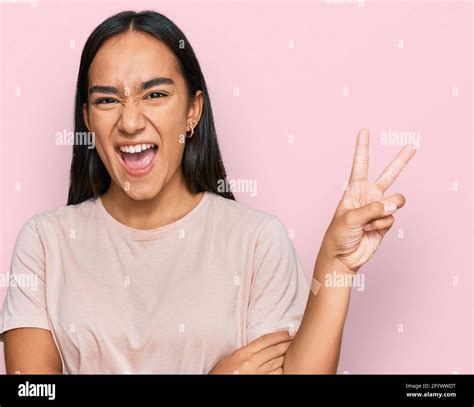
389 206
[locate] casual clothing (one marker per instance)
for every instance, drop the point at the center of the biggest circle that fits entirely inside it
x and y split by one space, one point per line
175 299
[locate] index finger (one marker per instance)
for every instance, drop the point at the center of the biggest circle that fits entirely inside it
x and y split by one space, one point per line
268 340
360 164
393 170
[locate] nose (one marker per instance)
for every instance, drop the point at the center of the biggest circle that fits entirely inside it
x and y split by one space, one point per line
131 120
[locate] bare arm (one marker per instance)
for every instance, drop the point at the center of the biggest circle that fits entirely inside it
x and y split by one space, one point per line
31 351
361 220
264 355
316 346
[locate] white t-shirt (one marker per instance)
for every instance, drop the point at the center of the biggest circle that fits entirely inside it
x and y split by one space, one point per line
175 299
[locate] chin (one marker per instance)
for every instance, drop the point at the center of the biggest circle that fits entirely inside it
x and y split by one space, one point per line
142 194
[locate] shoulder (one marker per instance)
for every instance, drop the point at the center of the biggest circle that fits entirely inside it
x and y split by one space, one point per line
57 221
38 232
238 216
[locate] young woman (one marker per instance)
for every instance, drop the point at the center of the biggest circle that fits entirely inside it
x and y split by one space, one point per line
153 267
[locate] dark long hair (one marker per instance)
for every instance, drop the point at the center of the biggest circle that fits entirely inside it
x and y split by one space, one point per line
202 164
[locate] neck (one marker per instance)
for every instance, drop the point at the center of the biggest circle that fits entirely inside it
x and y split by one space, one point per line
172 203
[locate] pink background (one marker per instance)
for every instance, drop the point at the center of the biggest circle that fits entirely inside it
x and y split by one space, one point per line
296 91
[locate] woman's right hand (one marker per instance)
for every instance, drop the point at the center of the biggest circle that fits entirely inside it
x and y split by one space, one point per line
264 355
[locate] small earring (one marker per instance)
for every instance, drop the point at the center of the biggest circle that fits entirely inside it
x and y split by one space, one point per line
191 127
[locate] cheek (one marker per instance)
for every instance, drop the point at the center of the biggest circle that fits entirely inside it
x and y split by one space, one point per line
102 126
102 123
172 148
104 152
170 122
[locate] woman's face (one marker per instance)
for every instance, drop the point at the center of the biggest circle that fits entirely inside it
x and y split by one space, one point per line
138 109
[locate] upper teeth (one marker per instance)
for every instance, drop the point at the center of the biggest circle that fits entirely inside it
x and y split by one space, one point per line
138 148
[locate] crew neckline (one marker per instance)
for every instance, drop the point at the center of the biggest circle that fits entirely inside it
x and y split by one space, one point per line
150 234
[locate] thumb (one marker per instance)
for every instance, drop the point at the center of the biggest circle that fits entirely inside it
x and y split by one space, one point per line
368 213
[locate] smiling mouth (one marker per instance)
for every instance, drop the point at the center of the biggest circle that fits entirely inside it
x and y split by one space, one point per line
137 159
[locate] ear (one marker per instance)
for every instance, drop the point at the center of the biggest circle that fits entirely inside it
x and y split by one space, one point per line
195 107
85 115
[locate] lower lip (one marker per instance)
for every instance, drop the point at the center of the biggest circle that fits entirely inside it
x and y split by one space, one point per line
136 172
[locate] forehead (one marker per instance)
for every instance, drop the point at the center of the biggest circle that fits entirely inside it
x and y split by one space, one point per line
131 58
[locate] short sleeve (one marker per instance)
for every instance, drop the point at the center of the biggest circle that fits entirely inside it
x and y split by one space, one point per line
25 301
279 289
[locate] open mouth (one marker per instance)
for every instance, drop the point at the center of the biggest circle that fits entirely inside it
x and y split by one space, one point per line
137 159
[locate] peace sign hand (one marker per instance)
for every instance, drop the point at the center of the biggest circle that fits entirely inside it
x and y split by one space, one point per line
364 214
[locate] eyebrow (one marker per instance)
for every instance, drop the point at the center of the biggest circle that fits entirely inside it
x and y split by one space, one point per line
143 86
